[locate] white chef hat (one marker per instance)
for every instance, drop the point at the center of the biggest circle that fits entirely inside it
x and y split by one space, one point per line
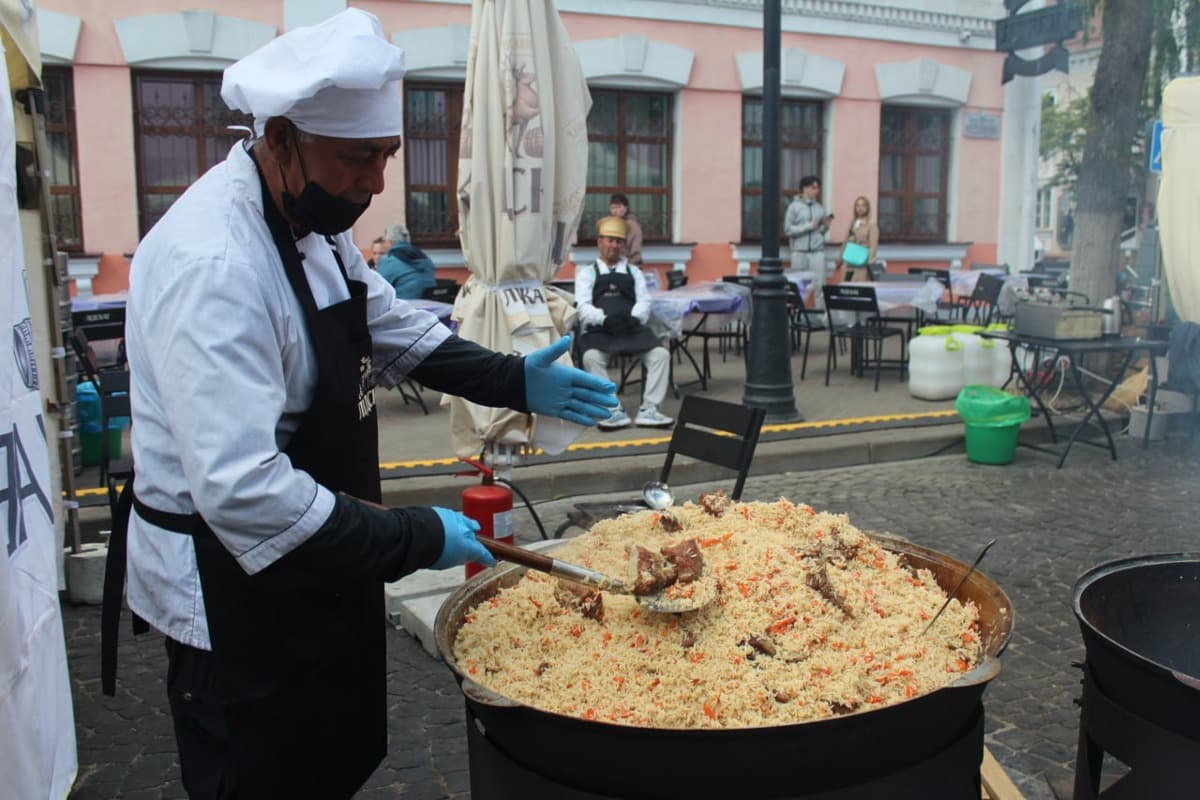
339 78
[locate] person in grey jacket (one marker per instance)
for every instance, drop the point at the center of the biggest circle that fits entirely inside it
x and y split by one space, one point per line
805 225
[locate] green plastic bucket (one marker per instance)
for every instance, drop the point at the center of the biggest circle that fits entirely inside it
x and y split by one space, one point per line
987 445
993 419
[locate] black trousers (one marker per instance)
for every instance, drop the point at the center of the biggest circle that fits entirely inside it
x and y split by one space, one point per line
306 741
201 731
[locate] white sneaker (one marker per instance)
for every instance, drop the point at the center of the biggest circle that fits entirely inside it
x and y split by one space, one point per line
651 417
619 419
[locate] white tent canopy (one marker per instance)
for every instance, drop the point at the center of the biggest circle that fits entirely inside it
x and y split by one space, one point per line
522 178
1179 195
37 727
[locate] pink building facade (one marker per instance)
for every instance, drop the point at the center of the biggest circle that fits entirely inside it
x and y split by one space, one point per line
897 100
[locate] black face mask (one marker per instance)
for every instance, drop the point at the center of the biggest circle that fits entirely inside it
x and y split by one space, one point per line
315 209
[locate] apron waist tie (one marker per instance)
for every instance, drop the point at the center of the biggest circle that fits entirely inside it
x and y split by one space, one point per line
114 575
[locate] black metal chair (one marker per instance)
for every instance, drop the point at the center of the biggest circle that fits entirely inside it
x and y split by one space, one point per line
712 431
983 303
1057 285
868 327
676 279
442 292
803 322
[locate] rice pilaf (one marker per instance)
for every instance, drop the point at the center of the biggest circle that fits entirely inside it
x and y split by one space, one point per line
811 619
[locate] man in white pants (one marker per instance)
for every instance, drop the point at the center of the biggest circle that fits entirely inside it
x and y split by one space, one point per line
614 307
806 224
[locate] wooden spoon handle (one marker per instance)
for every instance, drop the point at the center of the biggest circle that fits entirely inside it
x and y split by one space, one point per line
517 555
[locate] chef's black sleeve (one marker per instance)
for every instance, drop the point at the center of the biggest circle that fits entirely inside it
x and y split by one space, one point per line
473 372
366 542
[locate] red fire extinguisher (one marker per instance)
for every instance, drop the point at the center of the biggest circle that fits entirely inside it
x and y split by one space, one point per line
490 504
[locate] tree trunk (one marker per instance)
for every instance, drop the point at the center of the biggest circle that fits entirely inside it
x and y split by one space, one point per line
1104 178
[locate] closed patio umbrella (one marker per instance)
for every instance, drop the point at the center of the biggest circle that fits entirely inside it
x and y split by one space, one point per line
1179 195
522 177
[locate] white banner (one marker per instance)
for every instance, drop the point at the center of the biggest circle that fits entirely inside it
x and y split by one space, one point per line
37 723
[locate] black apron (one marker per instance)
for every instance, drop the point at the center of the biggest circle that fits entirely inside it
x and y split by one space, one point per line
300 655
615 293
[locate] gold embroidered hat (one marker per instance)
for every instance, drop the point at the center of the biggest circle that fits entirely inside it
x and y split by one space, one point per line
612 227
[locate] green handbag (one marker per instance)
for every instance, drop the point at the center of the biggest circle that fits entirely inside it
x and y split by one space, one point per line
854 254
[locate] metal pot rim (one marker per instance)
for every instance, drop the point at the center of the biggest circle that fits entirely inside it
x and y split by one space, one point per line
508 574
1107 568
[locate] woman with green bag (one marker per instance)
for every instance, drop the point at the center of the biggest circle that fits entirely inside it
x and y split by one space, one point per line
861 240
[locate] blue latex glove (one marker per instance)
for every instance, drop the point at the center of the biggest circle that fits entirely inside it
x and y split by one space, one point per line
460 544
566 392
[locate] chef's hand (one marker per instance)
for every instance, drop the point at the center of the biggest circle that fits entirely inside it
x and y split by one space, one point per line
460 545
566 392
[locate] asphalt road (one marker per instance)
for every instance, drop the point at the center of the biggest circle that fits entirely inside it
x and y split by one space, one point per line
1051 526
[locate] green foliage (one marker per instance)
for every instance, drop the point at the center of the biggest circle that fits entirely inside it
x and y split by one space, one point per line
1063 133
1176 48
1176 45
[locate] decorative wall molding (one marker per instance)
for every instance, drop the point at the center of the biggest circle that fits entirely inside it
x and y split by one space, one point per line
189 40
801 74
946 23
58 35
923 82
900 253
438 53
299 13
674 254
449 257
82 269
854 11
634 61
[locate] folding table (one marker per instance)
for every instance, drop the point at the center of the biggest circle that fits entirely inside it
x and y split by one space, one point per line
1074 350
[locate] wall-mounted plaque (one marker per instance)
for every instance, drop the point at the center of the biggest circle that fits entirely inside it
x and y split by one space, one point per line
981 125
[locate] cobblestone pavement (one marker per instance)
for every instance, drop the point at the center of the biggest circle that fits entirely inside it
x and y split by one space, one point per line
1051 526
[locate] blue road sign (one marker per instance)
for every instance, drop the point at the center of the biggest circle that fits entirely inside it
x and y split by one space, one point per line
1156 146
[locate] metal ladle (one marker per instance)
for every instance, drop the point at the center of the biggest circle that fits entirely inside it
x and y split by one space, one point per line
576 573
657 495
959 585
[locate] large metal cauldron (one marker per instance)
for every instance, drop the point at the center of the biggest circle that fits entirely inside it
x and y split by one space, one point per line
780 761
1140 619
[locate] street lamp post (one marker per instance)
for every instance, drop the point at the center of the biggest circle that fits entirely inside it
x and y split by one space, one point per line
769 363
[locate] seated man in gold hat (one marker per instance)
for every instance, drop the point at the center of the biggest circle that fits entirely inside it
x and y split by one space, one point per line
613 309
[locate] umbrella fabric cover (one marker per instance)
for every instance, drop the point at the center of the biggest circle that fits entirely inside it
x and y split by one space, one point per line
1179 195
522 175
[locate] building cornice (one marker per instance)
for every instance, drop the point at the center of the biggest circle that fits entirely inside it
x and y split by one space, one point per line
929 22
854 11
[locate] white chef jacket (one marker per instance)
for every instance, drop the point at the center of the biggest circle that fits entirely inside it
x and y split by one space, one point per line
585 282
222 370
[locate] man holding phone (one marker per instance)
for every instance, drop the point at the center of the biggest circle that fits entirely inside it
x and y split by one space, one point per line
806 224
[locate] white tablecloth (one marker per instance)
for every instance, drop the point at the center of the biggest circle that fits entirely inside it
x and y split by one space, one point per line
893 295
672 312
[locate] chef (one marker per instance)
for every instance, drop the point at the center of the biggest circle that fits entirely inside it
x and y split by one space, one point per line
256 337
614 306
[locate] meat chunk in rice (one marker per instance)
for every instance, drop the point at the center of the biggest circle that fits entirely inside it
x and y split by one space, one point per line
715 504
669 522
574 597
651 571
685 557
